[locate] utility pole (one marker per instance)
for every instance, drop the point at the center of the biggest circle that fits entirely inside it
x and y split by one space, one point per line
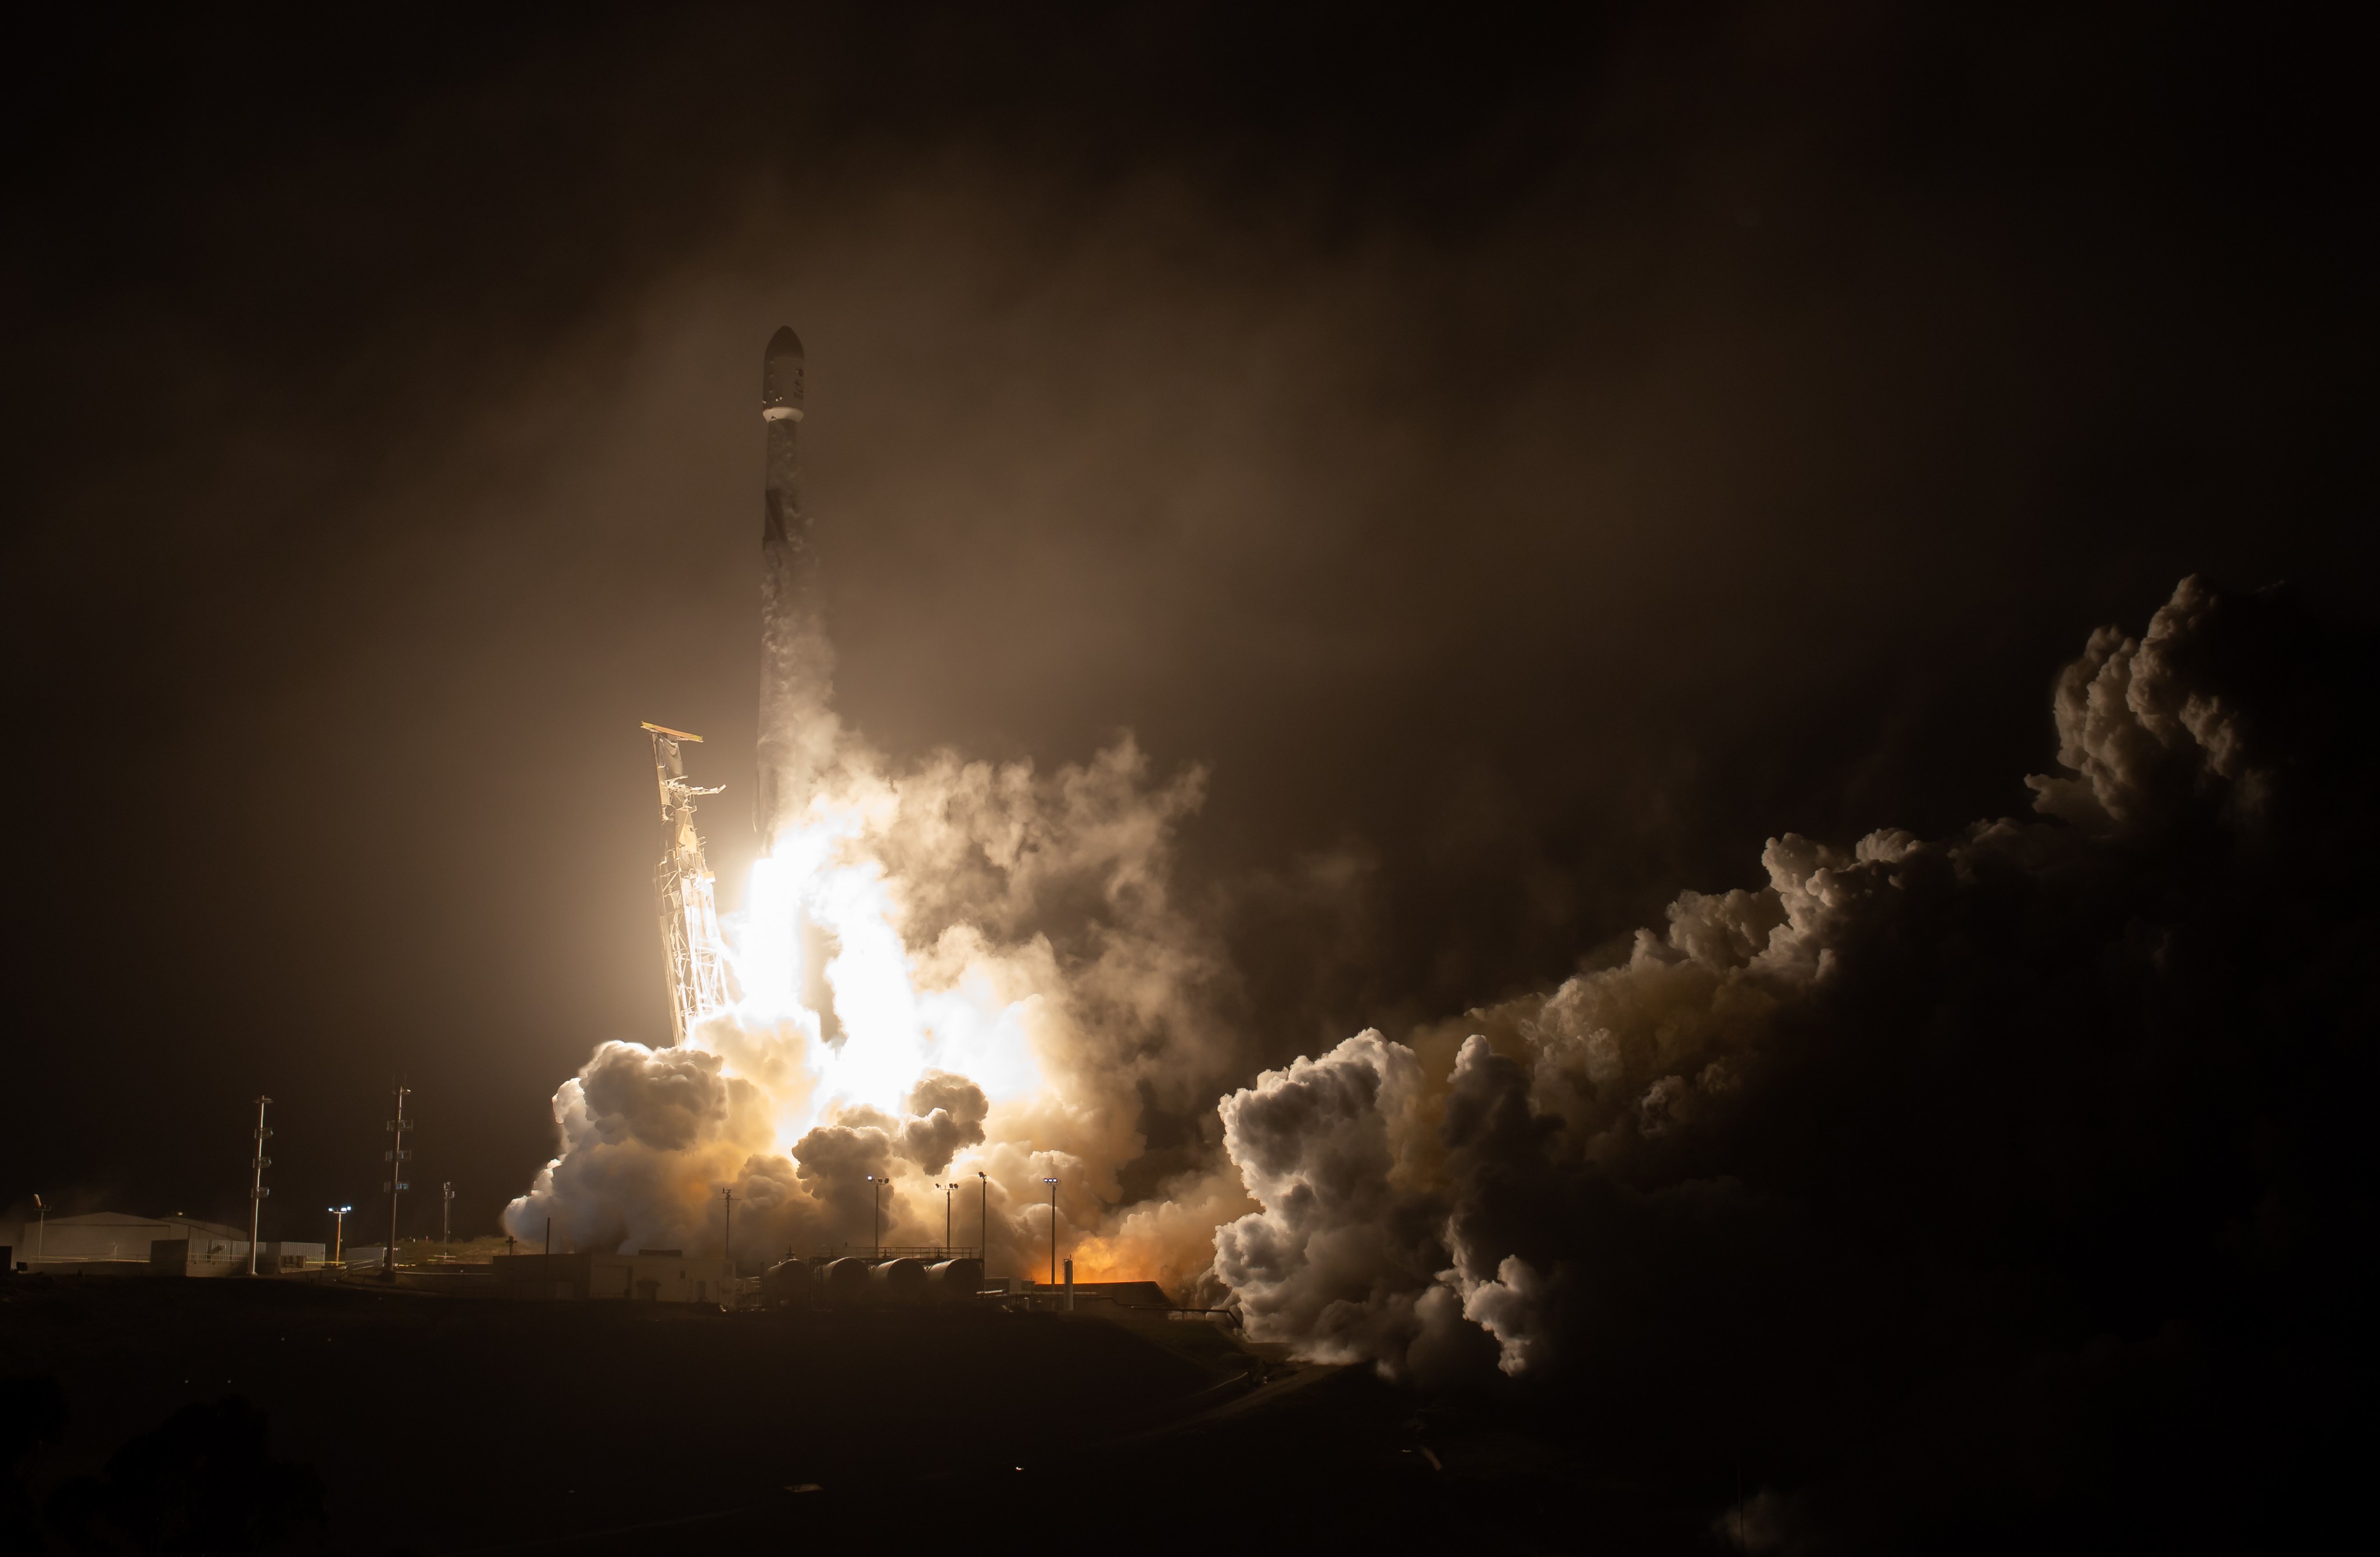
1053 1229
255 1190
396 1157
727 1239
446 1217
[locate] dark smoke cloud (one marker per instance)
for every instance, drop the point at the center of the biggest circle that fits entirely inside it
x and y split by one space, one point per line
2014 1170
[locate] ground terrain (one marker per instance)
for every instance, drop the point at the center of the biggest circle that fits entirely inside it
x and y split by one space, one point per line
442 1424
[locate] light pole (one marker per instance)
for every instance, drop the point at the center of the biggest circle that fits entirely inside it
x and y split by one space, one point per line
42 1228
339 1233
946 1189
446 1217
983 1233
255 1190
1053 1229
877 1194
727 1239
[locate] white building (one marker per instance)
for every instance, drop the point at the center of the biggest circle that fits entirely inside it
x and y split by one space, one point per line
73 1245
110 1242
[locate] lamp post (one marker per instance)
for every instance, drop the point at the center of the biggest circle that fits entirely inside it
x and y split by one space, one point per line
339 1233
946 1189
877 1195
983 1234
727 1238
42 1228
255 1190
1053 1229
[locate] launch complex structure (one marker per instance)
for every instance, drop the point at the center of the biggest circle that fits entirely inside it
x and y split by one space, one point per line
694 953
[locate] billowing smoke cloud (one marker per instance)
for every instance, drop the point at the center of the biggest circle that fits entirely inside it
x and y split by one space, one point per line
961 970
2011 1156
1997 1147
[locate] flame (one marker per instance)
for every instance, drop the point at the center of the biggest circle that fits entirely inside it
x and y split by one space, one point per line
852 1018
896 999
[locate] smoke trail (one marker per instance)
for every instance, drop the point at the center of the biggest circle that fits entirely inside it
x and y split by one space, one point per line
1967 1147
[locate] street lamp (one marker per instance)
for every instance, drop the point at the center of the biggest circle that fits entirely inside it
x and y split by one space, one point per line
41 1229
446 1217
877 1194
946 1189
339 1233
1053 1229
983 1236
256 1191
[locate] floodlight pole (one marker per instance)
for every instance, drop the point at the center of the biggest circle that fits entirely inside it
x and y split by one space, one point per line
41 1229
983 1234
877 1195
727 1239
339 1233
255 1190
1053 1229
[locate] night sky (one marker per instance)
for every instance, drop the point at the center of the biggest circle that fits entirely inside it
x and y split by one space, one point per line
1527 463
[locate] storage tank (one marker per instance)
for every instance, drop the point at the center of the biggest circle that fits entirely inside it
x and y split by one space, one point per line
844 1284
899 1280
955 1281
787 1284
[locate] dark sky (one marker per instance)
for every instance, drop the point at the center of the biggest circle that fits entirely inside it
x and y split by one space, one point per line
1529 463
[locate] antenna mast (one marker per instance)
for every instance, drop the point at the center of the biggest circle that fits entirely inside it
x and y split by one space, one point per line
694 955
396 1156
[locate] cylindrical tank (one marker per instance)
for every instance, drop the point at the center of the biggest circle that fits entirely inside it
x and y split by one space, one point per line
844 1284
955 1281
787 1284
899 1280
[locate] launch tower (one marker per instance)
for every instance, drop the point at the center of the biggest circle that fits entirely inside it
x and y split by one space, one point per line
692 951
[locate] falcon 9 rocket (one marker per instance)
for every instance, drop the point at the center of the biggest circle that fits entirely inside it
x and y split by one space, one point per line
798 725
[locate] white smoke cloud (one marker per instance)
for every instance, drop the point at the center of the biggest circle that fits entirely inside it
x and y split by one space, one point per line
1475 1195
961 969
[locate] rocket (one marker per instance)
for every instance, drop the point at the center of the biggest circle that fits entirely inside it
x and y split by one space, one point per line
798 725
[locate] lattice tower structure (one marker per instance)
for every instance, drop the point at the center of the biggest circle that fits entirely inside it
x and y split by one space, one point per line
694 955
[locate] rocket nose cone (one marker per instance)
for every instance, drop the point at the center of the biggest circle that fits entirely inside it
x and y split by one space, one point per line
781 369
